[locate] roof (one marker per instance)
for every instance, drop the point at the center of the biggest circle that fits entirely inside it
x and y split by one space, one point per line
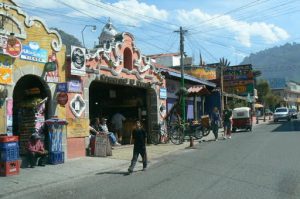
175 73
198 90
163 55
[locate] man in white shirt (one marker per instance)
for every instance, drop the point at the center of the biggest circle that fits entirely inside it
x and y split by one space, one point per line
117 121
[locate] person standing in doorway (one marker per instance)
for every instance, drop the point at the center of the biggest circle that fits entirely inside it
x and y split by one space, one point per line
227 114
215 121
140 139
117 121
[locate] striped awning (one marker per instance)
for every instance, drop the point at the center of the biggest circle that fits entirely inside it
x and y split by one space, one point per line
198 90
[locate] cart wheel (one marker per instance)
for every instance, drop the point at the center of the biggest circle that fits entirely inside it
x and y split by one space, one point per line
205 131
198 134
177 135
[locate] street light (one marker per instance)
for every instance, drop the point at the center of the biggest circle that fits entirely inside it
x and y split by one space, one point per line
94 28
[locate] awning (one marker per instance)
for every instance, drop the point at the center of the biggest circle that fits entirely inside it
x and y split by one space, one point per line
198 90
258 105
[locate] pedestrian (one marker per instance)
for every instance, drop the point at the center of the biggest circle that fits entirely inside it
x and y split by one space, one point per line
139 136
227 114
117 121
36 149
215 121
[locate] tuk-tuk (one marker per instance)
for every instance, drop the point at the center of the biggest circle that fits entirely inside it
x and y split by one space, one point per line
241 119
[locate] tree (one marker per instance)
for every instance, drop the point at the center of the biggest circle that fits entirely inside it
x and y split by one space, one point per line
266 96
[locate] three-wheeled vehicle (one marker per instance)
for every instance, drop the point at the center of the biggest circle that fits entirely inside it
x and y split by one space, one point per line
241 119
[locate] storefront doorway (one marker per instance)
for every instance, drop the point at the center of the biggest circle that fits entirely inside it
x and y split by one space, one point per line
31 98
105 100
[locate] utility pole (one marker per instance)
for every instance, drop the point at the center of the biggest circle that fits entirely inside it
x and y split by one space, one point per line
181 32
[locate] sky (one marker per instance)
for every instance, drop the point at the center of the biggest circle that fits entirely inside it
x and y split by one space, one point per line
231 29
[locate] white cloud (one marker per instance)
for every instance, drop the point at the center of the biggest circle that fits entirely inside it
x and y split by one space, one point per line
130 12
242 30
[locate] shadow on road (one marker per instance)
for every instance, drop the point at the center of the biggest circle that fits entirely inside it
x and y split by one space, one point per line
285 126
125 173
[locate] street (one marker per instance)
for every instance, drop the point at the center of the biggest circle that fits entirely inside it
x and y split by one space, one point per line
262 164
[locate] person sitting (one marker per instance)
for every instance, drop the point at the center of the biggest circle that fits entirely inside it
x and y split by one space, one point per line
35 149
104 129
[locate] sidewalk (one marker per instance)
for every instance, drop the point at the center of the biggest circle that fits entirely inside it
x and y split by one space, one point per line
81 167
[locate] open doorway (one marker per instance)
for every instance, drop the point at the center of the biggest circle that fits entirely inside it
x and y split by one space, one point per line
31 98
105 100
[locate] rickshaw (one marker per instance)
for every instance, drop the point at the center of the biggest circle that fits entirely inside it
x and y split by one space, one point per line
241 119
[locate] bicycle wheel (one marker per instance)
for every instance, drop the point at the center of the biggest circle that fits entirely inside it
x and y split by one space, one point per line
205 131
177 135
154 137
164 137
198 133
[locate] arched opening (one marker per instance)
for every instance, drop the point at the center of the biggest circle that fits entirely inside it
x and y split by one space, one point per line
128 59
31 97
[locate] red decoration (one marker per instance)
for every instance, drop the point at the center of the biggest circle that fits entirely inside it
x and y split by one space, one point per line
14 47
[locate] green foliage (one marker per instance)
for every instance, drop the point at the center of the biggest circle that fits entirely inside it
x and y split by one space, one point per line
266 96
68 40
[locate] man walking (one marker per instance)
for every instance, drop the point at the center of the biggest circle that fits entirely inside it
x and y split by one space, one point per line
140 137
227 114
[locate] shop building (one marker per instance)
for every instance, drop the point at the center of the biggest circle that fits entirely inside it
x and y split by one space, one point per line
31 65
201 94
115 78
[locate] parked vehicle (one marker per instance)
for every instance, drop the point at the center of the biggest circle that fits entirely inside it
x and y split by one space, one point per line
241 119
293 112
281 113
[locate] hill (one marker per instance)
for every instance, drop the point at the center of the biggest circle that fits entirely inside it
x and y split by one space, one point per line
277 62
68 40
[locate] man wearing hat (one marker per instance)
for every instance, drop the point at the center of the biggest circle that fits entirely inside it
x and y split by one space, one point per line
104 129
36 150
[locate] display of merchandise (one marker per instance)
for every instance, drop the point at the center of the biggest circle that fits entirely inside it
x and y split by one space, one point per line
31 119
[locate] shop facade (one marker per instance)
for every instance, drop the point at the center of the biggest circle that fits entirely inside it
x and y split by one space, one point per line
115 78
32 58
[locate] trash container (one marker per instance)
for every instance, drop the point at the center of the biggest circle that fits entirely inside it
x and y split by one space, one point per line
55 128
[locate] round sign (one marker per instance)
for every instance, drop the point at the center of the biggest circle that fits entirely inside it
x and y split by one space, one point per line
15 49
62 98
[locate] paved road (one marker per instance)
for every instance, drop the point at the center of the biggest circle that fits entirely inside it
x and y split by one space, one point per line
263 164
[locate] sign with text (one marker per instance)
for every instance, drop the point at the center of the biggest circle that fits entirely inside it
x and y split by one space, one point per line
33 52
6 70
78 127
78 61
74 86
163 93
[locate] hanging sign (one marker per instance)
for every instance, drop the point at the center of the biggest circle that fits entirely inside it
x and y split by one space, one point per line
6 70
14 49
62 98
77 61
33 52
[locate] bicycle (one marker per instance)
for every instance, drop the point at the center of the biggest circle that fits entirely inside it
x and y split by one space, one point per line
194 129
159 134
